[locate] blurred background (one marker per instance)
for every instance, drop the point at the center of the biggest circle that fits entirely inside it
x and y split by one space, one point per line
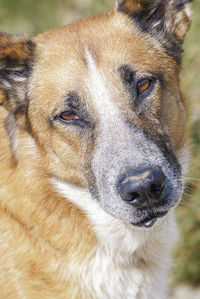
34 16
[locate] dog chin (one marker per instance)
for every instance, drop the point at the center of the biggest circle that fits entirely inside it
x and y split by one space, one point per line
150 220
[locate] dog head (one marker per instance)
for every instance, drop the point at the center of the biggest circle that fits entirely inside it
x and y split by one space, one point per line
101 98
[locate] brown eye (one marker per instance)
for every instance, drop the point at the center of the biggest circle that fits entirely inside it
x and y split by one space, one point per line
68 116
143 85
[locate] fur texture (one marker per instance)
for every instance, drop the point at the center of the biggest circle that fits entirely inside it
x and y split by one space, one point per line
73 122
128 253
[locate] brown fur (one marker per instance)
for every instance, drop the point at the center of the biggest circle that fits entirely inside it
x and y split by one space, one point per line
32 215
41 232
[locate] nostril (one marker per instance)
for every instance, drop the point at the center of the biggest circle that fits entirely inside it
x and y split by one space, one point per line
134 199
156 190
132 196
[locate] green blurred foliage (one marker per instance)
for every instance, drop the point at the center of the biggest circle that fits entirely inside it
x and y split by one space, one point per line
187 253
34 16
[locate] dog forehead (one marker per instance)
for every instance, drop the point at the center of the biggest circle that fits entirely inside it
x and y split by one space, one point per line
69 58
112 37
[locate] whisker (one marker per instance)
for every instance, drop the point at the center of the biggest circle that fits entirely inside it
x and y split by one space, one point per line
185 204
191 179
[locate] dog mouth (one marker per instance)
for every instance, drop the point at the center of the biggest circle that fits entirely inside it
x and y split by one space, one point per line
150 220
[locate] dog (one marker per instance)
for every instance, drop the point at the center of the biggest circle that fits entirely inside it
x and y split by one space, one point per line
93 154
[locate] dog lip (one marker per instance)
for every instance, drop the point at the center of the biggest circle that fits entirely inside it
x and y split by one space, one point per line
150 220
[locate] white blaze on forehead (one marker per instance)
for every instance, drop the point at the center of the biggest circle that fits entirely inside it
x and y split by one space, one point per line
98 90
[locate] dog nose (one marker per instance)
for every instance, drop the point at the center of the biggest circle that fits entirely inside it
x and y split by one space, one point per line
142 188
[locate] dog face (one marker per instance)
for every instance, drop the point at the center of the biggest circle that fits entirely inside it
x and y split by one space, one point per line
101 99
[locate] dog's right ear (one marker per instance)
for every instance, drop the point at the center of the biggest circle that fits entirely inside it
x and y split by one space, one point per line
16 53
167 20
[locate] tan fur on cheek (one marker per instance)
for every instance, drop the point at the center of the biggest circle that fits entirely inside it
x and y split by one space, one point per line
36 226
63 154
173 112
70 153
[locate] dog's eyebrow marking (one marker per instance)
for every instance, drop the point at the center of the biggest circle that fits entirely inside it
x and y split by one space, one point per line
98 90
127 73
73 100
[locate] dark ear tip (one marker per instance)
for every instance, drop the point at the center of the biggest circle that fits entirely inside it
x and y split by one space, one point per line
7 39
16 55
14 49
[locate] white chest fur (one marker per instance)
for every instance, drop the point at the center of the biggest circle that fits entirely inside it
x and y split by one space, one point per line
129 262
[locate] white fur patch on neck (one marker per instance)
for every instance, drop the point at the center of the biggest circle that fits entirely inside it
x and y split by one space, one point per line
115 234
129 262
110 231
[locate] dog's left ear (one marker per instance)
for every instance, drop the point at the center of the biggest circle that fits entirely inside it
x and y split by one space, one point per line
15 66
167 20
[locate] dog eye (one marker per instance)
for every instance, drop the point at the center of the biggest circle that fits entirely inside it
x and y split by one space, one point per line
68 116
143 85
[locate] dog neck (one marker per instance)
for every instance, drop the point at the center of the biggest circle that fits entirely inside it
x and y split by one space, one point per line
123 253
113 235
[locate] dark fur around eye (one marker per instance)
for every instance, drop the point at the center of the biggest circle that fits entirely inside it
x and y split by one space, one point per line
134 84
